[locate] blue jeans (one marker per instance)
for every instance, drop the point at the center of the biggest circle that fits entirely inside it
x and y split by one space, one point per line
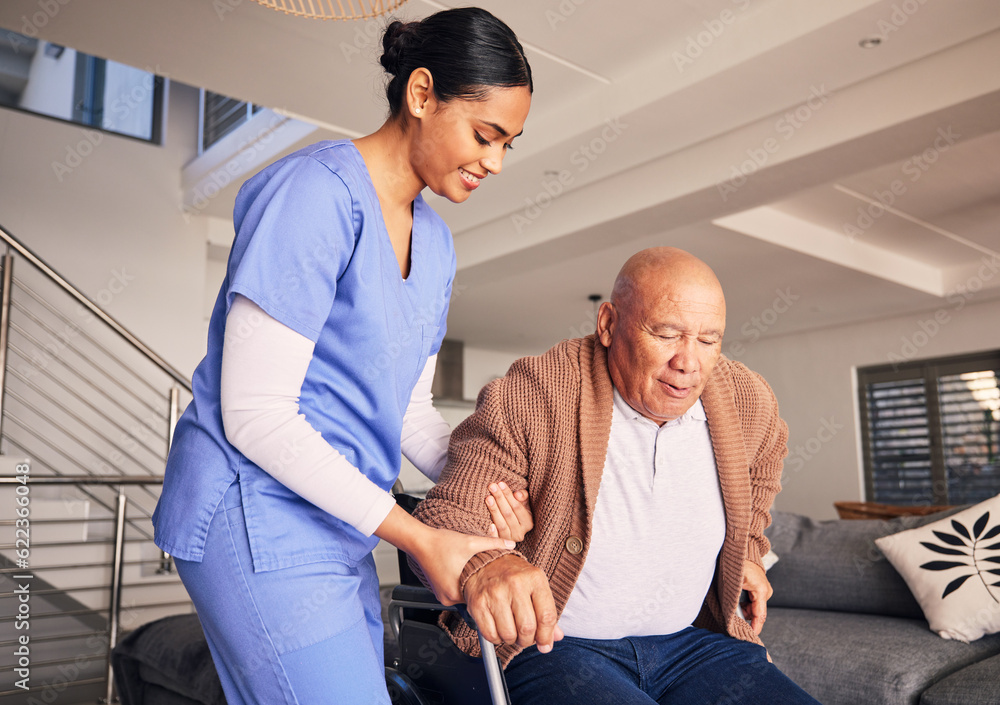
693 666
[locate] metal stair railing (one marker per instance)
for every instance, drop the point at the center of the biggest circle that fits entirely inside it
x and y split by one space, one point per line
79 393
75 655
94 409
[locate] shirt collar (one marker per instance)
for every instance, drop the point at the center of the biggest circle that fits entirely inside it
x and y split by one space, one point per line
695 413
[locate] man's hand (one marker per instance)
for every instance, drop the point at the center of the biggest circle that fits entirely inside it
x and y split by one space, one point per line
509 511
511 602
755 582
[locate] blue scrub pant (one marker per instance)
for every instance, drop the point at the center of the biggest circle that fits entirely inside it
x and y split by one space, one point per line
692 667
309 634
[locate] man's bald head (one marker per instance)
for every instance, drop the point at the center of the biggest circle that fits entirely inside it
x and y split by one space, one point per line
648 271
663 330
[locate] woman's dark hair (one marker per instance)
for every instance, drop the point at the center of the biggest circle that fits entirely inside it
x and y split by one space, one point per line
467 50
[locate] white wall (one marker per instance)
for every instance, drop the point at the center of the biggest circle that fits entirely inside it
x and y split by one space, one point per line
813 376
482 366
104 211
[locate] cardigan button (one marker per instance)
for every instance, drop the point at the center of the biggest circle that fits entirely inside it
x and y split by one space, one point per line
574 545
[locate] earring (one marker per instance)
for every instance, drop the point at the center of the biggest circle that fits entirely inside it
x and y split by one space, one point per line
416 110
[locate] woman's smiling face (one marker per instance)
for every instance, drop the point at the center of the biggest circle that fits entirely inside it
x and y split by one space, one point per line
461 142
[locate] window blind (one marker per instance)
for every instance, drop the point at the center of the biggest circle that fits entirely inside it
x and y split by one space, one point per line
221 115
931 430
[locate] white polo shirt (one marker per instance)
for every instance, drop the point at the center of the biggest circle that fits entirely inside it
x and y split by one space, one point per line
659 524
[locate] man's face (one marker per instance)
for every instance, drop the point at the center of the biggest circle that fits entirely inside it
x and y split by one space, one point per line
663 342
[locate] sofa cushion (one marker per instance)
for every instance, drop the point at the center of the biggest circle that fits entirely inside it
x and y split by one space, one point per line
952 567
847 659
973 685
835 565
167 661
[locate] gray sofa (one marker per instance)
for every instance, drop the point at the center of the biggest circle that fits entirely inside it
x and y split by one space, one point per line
843 624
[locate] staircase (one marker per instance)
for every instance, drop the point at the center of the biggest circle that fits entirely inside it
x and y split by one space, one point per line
86 415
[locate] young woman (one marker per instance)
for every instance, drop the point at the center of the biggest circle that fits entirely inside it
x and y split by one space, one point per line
320 359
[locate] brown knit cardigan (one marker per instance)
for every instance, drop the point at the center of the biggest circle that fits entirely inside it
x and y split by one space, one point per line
546 425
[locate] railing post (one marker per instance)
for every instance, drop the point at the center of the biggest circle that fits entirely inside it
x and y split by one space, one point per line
8 280
175 410
116 589
166 562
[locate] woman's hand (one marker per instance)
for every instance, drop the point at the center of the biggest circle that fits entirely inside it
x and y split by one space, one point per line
510 512
441 553
444 557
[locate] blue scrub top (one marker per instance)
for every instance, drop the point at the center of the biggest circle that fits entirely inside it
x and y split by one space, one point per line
311 249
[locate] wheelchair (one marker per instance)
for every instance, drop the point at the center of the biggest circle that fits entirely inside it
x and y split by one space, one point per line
430 669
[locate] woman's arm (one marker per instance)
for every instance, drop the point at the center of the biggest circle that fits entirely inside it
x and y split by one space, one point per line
263 366
425 433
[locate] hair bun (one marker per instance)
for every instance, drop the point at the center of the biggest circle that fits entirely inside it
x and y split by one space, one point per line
398 36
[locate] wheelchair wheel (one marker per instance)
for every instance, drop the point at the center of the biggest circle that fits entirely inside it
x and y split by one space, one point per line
401 689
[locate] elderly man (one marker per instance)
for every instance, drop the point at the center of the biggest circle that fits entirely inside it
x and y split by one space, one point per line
652 462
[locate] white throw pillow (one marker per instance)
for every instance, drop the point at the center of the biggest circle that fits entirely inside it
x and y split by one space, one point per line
952 567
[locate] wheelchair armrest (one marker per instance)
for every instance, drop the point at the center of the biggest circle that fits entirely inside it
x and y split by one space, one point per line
419 597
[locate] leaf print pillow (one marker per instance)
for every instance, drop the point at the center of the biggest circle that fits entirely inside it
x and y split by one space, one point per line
952 567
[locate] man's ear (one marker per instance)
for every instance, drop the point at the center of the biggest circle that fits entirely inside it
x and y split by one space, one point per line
607 318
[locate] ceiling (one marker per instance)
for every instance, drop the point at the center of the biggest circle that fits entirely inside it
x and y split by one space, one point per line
848 183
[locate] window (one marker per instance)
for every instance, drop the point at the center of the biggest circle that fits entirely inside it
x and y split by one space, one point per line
220 115
931 430
52 80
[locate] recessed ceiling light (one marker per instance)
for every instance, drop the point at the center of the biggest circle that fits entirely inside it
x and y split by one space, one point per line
870 42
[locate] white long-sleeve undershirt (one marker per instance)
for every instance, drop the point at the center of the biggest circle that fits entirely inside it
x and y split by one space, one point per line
264 364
